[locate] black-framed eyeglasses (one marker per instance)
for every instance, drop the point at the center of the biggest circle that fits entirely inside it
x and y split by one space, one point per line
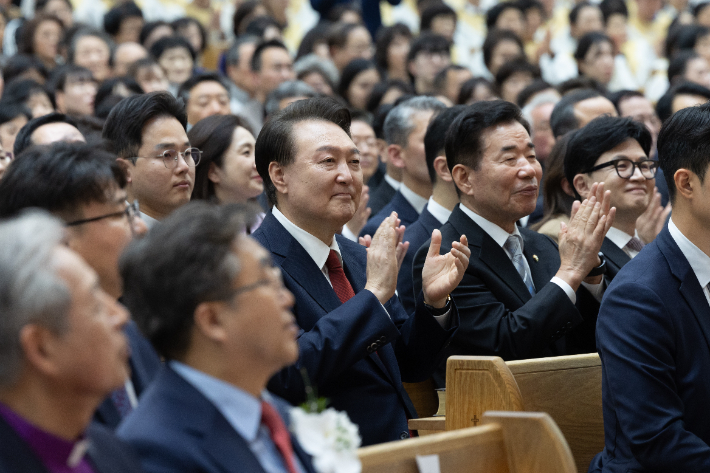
274 279
6 156
625 168
170 157
131 211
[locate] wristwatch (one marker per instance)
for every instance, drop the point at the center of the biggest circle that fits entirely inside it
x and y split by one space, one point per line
601 269
441 311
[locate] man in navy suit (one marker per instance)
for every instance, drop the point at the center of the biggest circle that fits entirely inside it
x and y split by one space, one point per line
210 300
517 298
356 342
653 330
405 127
63 351
86 188
442 201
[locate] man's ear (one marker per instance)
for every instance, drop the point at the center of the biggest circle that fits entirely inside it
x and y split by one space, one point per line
214 173
394 156
209 321
462 178
39 346
278 177
127 166
582 184
566 187
685 182
442 169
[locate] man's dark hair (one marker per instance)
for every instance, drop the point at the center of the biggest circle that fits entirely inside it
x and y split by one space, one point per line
259 52
21 90
171 42
182 23
496 11
465 138
664 106
468 88
350 72
186 260
535 87
58 78
613 7
679 64
574 13
245 11
385 36
23 140
338 34
580 83
382 87
189 84
123 129
589 40
435 137
434 10
18 64
562 120
83 32
276 141
600 135
430 43
378 119
618 97
148 28
259 25
232 56
699 7
11 110
115 16
493 39
515 66
442 75
60 179
684 142
111 87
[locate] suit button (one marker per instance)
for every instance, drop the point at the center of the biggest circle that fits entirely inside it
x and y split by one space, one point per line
404 435
373 347
382 340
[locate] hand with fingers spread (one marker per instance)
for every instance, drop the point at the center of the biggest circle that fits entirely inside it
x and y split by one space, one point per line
384 257
651 222
443 273
581 239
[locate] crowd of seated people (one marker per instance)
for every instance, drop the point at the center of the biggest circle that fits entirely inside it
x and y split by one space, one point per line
377 186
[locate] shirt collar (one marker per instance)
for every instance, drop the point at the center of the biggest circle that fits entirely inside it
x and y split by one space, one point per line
416 201
241 409
317 250
698 260
392 182
439 212
619 237
499 235
54 452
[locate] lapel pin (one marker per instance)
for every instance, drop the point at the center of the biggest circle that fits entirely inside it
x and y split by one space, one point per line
536 258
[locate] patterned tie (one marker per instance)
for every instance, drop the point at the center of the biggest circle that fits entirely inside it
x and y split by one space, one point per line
279 434
340 283
122 401
513 246
635 244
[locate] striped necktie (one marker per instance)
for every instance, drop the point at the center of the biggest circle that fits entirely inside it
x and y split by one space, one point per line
513 246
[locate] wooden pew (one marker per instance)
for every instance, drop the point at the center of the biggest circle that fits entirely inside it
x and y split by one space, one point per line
506 442
568 388
423 396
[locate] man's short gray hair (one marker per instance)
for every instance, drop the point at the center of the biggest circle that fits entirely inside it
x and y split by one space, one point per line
539 99
399 123
30 289
286 90
233 54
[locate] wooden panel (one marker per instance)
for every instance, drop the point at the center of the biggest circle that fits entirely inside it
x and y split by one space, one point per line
475 385
569 389
423 396
533 442
428 425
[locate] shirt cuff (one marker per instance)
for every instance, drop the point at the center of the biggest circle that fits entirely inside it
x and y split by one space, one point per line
348 234
443 319
565 287
597 290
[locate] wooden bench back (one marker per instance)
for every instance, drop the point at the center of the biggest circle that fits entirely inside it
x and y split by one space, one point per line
568 388
506 442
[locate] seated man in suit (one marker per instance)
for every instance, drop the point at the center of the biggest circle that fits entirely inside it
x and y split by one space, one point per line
653 331
392 179
209 299
85 187
356 342
615 151
442 201
147 133
517 298
62 352
405 127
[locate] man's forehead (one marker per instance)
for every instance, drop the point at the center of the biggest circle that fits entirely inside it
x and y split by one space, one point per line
503 135
57 131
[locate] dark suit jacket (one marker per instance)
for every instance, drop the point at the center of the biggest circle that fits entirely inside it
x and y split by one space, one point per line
499 317
616 258
653 335
145 364
338 341
406 213
380 197
176 428
416 234
106 453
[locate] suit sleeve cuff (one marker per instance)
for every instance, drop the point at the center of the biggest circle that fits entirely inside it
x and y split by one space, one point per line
565 287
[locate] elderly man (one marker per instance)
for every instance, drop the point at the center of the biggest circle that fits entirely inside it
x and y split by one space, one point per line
517 298
356 341
653 330
578 108
45 130
212 303
63 350
147 133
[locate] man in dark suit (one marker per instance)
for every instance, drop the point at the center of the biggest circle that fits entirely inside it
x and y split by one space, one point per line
653 330
405 127
356 343
615 151
441 203
86 188
63 351
517 298
209 299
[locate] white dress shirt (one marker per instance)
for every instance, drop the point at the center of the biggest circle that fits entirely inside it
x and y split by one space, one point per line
698 260
439 212
621 239
414 199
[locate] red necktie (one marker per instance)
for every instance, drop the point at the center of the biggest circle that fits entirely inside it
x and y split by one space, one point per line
279 434
340 283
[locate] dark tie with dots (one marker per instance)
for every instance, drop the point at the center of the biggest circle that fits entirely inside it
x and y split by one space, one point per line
340 283
635 244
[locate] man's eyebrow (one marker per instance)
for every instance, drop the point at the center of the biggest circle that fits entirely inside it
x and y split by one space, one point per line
170 145
335 149
530 145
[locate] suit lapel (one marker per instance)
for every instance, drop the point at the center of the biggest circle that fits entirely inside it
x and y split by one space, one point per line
15 454
614 254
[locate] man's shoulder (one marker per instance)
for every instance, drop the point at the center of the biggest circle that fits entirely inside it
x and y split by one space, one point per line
108 453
